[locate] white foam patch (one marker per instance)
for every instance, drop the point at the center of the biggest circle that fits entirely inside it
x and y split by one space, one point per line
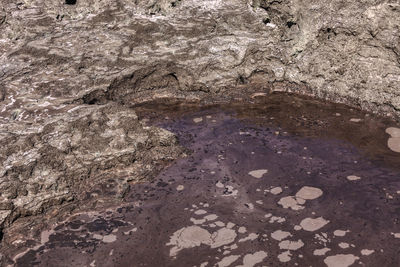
344 245
252 259
393 132
290 202
323 237
220 224
285 256
309 193
233 247
197 120
300 201
340 232
188 237
394 144
109 238
180 187
280 235
353 178
340 260
311 225
321 252
227 261
211 217
367 252
200 212
277 219
396 235
250 237
230 225
258 173
276 190
194 236
222 237
291 245
242 230
296 202
197 221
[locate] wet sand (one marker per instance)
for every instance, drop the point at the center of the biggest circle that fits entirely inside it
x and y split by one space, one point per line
283 181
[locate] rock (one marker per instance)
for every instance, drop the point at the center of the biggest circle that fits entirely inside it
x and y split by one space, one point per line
2 16
2 93
71 76
342 52
3 216
71 157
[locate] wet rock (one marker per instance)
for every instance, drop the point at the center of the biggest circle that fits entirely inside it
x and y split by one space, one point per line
4 215
70 158
2 93
2 17
299 38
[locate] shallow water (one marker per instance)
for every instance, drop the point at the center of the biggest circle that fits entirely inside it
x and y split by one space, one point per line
284 181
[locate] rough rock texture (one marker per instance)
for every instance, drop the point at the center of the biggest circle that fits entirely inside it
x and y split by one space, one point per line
133 50
92 151
58 58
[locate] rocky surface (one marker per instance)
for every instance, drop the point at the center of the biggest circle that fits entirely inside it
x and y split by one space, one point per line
129 51
72 157
72 73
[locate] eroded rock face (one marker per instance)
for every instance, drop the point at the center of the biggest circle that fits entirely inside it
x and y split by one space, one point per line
130 51
70 72
93 151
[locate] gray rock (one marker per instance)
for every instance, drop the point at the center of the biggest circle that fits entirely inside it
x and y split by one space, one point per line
72 157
